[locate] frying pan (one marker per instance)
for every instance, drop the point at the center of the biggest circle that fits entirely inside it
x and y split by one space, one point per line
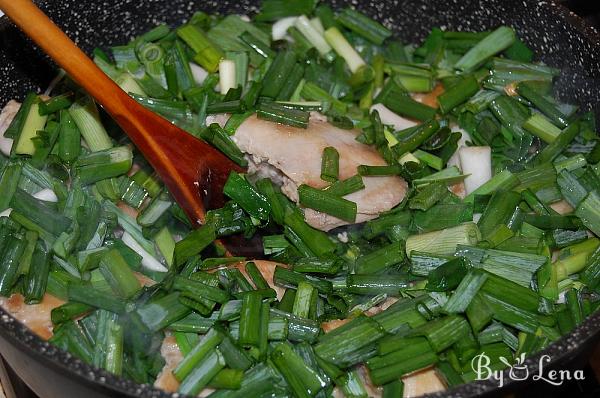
558 37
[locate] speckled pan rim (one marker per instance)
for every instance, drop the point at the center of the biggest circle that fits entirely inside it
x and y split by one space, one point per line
587 30
30 344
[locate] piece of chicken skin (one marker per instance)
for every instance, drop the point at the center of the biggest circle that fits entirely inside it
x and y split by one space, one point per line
293 155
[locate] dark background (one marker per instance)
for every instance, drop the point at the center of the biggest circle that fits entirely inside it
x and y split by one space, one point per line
588 9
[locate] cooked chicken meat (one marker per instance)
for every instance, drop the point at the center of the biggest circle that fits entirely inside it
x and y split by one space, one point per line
172 356
293 157
36 316
421 382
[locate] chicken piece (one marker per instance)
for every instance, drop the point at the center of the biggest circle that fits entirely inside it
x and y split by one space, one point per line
130 211
333 324
35 316
6 117
172 356
430 98
421 382
381 307
372 389
458 189
143 279
562 207
294 156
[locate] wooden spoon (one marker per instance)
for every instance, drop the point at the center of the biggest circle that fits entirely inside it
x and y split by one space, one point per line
193 171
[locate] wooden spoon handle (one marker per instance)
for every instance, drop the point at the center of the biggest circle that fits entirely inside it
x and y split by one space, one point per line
55 43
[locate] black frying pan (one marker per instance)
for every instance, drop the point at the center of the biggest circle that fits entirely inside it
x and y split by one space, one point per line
559 38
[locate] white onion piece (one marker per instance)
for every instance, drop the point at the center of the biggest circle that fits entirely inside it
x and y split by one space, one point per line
198 72
6 212
47 195
316 23
389 117
226 76
148 261
342 47
476 161
280 27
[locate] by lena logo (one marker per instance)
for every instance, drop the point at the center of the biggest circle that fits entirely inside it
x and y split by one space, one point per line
520 371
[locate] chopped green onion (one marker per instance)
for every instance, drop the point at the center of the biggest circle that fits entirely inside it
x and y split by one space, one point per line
432 161
305 300
341 46
207 54
103 164
364 170
239 189
302 379
376 284
278 73
541 127
465 292
550 152
330 164
327 203
279 113
318 265
445 241
420 135
497 41
257 45
589 212
218 137
69 139
379 259
32 123
9 180
55 104
346 187
550 110
86 117
364 26
313 36
458 93
338 345
118 274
